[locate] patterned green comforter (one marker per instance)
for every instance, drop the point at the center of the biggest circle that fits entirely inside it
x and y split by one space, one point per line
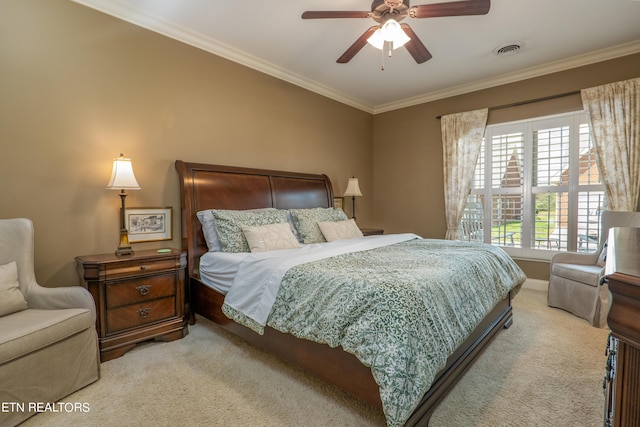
401 309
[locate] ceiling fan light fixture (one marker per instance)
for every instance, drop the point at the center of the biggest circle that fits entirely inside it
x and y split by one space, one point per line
376 40
389 32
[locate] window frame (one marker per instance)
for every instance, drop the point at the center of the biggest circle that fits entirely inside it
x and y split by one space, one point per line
573 188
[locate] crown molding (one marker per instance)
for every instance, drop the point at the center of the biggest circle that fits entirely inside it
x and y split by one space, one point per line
126 13
551 67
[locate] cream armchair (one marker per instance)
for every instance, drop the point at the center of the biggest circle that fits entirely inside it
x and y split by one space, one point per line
48 340
574 282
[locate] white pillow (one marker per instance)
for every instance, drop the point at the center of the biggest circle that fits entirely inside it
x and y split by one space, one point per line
339 230
306 222
11 299
270 237
209 230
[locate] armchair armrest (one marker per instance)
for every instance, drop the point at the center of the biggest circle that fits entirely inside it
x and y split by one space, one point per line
41 297
575 258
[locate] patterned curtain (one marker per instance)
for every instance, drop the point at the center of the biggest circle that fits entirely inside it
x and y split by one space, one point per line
614 110
461 139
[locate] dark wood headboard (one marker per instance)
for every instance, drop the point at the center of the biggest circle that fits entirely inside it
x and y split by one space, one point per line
204 186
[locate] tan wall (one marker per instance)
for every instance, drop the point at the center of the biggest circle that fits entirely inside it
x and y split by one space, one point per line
408 177
79 87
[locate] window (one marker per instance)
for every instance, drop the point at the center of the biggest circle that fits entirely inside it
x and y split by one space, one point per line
537 187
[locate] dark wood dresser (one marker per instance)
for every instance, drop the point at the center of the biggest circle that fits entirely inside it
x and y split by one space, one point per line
138 297
622 381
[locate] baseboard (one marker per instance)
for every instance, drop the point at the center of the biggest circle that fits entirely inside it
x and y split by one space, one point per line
536 284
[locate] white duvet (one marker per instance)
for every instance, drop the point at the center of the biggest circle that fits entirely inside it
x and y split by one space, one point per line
252 280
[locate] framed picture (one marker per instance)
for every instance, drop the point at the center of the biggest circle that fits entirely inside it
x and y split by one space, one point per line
149 224
337 202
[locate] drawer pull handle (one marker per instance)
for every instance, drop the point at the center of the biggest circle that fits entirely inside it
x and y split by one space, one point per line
143 267
144 290
144 312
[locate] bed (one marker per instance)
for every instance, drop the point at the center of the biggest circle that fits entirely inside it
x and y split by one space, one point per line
204 187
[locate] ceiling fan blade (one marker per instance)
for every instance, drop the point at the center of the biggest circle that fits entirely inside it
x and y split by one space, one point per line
415 46
356 46
335 14
454 8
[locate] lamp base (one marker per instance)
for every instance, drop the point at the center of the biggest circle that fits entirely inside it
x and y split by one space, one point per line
124 248
124 251
353 207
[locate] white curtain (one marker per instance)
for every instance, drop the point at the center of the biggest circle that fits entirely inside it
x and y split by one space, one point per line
461 139
614 111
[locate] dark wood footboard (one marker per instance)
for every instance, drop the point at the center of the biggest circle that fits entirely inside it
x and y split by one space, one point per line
458 363
343 369
332 365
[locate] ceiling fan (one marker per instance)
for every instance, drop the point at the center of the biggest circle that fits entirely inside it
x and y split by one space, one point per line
388 13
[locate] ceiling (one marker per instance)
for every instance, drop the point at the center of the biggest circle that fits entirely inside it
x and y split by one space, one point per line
271 37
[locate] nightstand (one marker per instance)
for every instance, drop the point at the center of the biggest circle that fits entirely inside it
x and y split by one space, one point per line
371 231
138 297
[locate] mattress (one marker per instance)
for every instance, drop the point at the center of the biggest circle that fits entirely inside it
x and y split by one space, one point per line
218 269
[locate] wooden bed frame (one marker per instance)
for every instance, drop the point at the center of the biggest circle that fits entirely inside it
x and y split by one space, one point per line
204 186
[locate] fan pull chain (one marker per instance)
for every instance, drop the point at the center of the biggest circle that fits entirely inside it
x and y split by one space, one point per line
389 46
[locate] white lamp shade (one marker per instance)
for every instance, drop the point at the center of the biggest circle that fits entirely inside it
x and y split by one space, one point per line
390 32
376 40
122 177
353 188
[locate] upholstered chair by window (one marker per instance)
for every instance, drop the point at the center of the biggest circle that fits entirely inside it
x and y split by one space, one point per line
574 282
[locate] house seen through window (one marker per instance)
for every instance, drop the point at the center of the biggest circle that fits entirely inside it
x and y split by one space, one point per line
537 186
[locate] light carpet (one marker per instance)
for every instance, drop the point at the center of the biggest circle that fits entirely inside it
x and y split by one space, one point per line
546 370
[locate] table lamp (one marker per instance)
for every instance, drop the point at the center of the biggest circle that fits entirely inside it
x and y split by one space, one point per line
353 190
122 178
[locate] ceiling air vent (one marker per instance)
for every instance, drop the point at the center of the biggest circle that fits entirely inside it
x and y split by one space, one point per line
508 49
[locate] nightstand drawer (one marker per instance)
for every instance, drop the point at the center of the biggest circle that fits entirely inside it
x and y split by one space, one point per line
141 289
132 316
129 268
138 297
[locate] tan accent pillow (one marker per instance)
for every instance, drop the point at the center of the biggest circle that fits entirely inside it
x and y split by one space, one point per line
11 299
270 237
339 230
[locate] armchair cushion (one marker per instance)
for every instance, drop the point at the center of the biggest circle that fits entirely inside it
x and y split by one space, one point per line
587 274
11 299
29 330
